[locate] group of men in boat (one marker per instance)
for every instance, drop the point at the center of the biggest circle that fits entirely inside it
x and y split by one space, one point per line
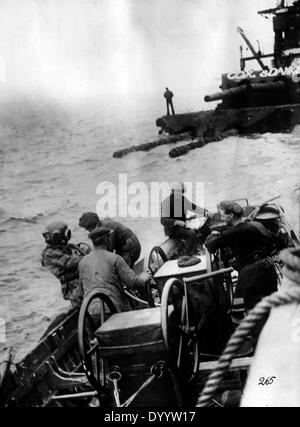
250 242
108 267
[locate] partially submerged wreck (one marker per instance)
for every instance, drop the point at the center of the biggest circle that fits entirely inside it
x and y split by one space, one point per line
266 100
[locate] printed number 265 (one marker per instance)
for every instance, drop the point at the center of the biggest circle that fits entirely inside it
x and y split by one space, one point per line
266 381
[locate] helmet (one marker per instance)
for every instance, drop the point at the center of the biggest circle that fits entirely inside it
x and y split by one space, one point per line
57 232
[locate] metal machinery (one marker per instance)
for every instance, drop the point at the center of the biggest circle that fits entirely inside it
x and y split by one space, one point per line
263 100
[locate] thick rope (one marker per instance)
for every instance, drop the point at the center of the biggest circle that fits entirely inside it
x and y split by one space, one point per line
288 295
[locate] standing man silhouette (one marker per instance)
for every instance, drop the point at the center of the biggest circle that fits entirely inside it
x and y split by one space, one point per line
169 95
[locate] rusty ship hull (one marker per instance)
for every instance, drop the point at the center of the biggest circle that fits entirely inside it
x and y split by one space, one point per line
254 101
282 118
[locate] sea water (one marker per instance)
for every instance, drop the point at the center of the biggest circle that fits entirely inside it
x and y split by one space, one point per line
54 154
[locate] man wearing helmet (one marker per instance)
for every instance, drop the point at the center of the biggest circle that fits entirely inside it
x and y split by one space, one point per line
251 244
62 259
174 210
107 272
123 240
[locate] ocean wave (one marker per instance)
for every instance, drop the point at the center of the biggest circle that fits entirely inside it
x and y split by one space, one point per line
31 219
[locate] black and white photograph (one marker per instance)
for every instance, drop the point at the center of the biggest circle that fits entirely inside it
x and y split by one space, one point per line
149 206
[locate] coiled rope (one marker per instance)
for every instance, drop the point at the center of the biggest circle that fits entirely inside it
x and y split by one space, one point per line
288 294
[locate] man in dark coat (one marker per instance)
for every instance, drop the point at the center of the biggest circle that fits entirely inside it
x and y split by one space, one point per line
123 240
174 210
169 95
251 244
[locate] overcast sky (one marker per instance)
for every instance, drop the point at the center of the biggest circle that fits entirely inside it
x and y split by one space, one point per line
79 48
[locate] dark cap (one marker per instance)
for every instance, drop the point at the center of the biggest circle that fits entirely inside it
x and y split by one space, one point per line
89 220
268 212
98 234
229 207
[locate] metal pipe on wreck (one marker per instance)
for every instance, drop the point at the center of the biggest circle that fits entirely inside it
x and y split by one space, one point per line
227 93
276 86
149 145
257 87
200 142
